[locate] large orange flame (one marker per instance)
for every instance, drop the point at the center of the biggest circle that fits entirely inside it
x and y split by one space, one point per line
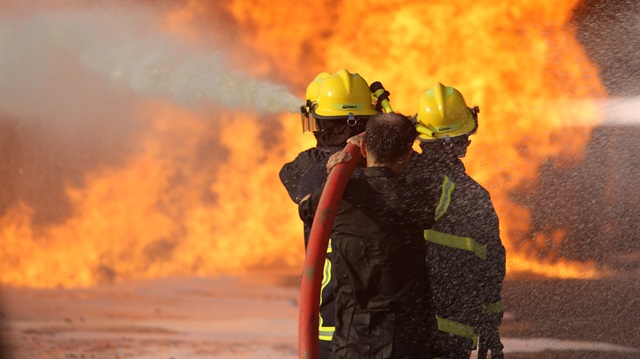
203 198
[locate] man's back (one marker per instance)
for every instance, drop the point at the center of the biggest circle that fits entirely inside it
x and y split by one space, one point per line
379 268
465 256
477 272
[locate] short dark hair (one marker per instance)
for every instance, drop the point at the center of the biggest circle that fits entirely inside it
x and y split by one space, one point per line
390 136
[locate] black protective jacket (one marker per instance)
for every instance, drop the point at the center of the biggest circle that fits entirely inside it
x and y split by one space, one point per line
382 290
464 280
300 177
306 172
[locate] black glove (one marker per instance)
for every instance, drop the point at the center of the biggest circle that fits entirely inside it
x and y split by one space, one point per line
490 337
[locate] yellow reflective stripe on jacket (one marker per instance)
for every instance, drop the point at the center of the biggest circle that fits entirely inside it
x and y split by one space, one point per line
459 329
326 274
445 197
491 308
325 333
451 240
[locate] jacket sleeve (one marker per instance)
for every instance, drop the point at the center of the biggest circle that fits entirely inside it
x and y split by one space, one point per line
313 178
301 174
307 207
495 264
423 182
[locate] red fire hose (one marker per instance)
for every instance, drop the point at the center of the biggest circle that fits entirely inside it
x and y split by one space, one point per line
308 346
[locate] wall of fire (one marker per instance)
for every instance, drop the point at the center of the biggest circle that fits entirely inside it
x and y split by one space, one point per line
594 204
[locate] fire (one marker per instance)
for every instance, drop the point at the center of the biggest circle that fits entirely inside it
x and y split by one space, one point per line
520 62
202 197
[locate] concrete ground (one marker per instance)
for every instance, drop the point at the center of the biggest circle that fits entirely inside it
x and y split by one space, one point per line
257 318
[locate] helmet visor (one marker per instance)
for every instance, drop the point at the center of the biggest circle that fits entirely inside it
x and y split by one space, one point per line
309 124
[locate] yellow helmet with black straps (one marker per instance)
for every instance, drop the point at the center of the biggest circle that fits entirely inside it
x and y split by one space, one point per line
309 124
443 112
341 94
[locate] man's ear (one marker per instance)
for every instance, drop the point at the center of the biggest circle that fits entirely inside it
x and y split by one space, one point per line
363 148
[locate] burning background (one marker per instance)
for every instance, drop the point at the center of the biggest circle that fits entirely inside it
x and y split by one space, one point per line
144 139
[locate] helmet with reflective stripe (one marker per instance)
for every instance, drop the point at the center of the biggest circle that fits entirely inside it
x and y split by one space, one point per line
309 124
341 94
443 112
312 89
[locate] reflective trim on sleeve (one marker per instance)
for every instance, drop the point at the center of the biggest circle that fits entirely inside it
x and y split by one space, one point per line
445 197
325 333
326 274
459 329
491 308
451 240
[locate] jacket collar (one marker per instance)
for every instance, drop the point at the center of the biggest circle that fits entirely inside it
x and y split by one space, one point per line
378 172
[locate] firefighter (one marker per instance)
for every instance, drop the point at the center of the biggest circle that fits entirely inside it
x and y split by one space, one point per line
382 304
337 107
465 256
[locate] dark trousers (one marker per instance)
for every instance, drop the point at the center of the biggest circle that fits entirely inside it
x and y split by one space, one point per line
324 349
451 346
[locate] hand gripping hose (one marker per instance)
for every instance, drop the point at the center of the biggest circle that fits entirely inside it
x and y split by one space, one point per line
308 346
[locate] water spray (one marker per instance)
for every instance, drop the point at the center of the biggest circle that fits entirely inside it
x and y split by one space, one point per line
128 49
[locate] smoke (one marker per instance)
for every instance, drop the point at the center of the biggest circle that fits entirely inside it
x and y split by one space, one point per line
51 52
73 77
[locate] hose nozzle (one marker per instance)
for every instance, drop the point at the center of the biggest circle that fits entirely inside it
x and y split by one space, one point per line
382 97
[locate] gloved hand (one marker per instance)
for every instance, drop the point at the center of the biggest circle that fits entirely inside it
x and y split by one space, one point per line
490 337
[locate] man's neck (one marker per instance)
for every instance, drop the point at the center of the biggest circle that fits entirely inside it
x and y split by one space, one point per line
397 168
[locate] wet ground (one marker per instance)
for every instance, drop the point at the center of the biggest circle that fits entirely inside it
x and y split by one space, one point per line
605 310
257 318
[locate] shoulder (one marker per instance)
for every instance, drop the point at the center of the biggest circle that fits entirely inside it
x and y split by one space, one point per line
314 154
308 158
472 185
423 174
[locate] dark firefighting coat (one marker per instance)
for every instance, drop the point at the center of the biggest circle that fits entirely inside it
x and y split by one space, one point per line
465 256
300 177
306 172
382 299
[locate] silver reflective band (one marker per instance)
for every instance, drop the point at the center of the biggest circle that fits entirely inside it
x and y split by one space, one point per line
325 333
453 241
445 198
459 329
496 307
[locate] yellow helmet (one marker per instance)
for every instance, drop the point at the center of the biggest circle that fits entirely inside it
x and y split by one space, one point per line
341 94
312 89
309 124
443 112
